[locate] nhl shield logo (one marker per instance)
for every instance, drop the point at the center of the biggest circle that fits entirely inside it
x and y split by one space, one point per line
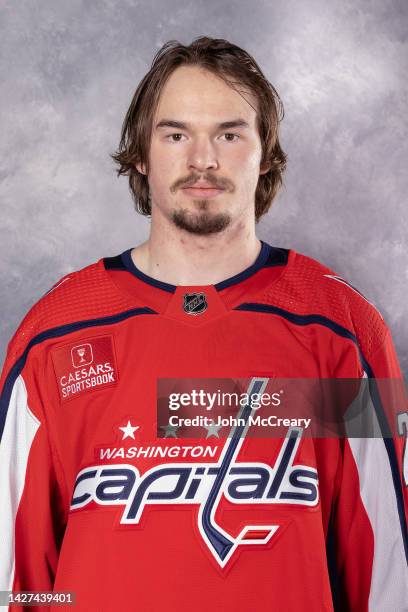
194 303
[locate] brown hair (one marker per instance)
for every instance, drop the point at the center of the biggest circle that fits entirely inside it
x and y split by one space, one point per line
226 60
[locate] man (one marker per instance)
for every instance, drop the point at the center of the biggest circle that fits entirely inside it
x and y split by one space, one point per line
93 499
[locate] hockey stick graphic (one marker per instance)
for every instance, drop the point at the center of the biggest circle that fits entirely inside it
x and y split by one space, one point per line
221 544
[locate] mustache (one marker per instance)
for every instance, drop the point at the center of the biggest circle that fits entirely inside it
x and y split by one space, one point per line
216 183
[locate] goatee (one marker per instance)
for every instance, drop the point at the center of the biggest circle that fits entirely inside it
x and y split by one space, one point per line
201 223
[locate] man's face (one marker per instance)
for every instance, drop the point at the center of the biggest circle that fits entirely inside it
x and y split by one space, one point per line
190 144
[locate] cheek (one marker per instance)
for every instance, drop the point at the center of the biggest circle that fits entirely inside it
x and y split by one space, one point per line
254 157
159 161
246 169
246 160
161 174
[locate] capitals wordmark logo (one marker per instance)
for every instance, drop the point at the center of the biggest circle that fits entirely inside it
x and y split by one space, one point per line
204 484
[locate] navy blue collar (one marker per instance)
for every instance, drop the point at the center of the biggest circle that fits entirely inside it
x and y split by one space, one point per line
268 256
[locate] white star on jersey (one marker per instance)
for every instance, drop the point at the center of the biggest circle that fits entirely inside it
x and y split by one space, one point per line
129 430
170 430
212 430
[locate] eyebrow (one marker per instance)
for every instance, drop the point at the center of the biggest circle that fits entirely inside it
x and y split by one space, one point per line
171 123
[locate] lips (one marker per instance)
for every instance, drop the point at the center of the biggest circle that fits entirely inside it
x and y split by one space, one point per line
201 185
199 190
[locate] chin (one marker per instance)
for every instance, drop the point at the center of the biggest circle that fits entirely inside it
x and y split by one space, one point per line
201 224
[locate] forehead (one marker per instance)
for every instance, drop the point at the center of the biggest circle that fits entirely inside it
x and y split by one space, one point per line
194 94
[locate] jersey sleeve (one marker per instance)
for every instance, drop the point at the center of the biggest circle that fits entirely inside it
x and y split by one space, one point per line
31 509
369 515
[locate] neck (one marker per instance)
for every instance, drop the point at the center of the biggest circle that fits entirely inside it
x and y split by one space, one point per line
177 257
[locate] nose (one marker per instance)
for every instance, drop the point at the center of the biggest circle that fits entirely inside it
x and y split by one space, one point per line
202 156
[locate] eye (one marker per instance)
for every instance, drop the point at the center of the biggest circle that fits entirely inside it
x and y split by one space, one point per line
171 136
231 134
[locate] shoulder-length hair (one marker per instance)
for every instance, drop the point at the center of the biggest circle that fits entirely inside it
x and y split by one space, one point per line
236 67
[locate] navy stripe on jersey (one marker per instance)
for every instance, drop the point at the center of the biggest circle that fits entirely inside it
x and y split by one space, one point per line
333 570
268 256
55 332
373 388
114 263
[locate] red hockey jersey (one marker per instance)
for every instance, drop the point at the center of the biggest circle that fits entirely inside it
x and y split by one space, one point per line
94 502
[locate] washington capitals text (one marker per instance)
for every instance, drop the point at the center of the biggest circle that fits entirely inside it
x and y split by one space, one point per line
204 484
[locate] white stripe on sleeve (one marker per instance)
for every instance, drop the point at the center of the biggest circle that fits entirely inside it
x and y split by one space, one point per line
389 580
19 431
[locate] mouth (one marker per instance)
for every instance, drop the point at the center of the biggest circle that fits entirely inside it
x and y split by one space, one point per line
202 192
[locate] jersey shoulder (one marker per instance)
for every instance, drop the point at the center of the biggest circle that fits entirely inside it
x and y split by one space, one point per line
81 295
308 287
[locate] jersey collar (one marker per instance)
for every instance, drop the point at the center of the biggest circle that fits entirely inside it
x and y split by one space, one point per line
267 256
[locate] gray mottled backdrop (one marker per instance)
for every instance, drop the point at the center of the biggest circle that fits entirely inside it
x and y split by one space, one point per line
69 69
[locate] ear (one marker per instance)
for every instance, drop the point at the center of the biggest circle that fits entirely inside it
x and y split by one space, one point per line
264 168
140 168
